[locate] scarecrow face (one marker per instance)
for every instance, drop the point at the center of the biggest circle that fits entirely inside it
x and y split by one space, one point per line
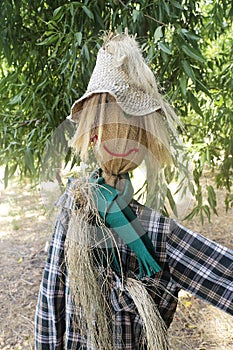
120 142
121 148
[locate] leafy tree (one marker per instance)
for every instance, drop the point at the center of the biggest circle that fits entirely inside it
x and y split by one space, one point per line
48 50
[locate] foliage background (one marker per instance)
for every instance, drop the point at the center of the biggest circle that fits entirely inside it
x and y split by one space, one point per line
48 50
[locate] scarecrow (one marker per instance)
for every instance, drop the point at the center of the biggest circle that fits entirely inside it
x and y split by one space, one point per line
115 267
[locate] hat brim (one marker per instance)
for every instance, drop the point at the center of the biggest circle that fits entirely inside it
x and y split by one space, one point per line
128 105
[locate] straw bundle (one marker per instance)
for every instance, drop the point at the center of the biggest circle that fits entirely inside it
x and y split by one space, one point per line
87 281
154 328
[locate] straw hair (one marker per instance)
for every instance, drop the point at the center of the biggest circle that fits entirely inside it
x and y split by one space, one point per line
86 126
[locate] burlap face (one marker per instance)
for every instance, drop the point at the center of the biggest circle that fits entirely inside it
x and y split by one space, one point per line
122 147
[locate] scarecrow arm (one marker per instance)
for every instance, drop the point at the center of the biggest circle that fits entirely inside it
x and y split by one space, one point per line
201 266
50 311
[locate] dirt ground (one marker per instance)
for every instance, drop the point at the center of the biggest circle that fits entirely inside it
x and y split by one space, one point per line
25 229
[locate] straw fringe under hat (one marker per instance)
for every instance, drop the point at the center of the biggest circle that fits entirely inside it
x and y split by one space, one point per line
121 71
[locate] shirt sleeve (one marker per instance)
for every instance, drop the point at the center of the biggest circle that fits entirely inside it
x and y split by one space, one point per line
50 311
201 266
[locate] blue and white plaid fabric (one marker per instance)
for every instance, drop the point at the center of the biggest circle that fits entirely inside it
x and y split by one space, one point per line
189 261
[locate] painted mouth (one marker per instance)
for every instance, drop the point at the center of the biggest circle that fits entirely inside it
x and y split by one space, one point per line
133 150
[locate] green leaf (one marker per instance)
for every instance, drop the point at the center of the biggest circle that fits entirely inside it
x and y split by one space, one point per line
203 158
177 4
191 52
58 13
203 88
42 84
88 12
86 52
49 40
206 209
183 84
169 174
193 213
194 102
165 48
12 170
55 103
29 160
150 53
212 198
78 37
136 13
58 43
189 35
72 11
99 20
171 202
16 99
166 8
229 201
158 34
188 70
6 177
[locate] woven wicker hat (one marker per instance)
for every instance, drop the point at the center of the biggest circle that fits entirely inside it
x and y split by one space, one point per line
121 71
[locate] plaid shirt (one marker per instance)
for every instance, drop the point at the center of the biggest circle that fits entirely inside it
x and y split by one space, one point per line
189 261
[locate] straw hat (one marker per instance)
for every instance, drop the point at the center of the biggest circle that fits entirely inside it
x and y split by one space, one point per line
121 71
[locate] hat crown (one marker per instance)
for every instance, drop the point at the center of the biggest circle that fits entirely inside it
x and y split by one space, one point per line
121 71
126 55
